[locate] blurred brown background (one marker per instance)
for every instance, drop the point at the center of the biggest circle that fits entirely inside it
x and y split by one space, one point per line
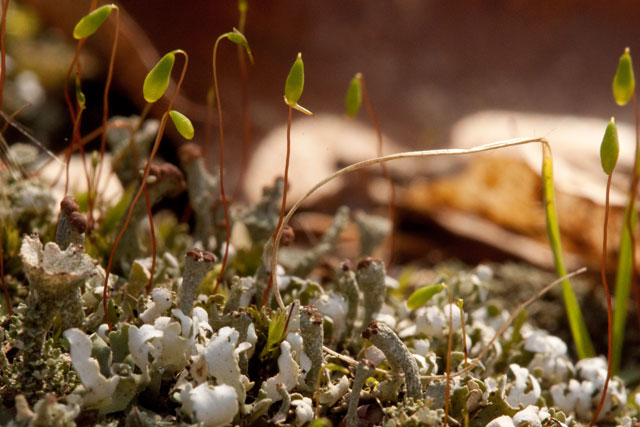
427 63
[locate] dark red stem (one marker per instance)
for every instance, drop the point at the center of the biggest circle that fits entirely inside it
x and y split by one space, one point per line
227 224
3 52
105 112
603 270
284 199
154 150
153 239
4 283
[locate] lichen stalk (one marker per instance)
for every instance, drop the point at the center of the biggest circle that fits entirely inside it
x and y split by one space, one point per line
312 334
370 276
347 285
397 353
202 188
198 264
364 370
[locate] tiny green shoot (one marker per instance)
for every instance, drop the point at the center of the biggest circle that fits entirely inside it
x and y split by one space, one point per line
609 150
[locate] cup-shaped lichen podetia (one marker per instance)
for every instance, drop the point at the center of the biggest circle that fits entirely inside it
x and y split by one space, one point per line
198 264
55 277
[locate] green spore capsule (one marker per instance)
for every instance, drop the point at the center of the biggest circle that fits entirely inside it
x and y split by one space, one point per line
609 149
624 83
353 99
238 38
182 123
420 296
295 82
89 24
157 81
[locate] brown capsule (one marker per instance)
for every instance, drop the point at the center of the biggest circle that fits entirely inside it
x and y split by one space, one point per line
288 236
345 265
367 262
366 334
69 205
316 318
199 255
78 222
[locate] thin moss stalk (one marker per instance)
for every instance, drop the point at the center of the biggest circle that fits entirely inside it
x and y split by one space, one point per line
364 370
370 276
609 151
5 288
327 244
312 334
3 52
145 174
71 225
397 353
578 328
244 98
130 146
239 39
198 264
623 88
